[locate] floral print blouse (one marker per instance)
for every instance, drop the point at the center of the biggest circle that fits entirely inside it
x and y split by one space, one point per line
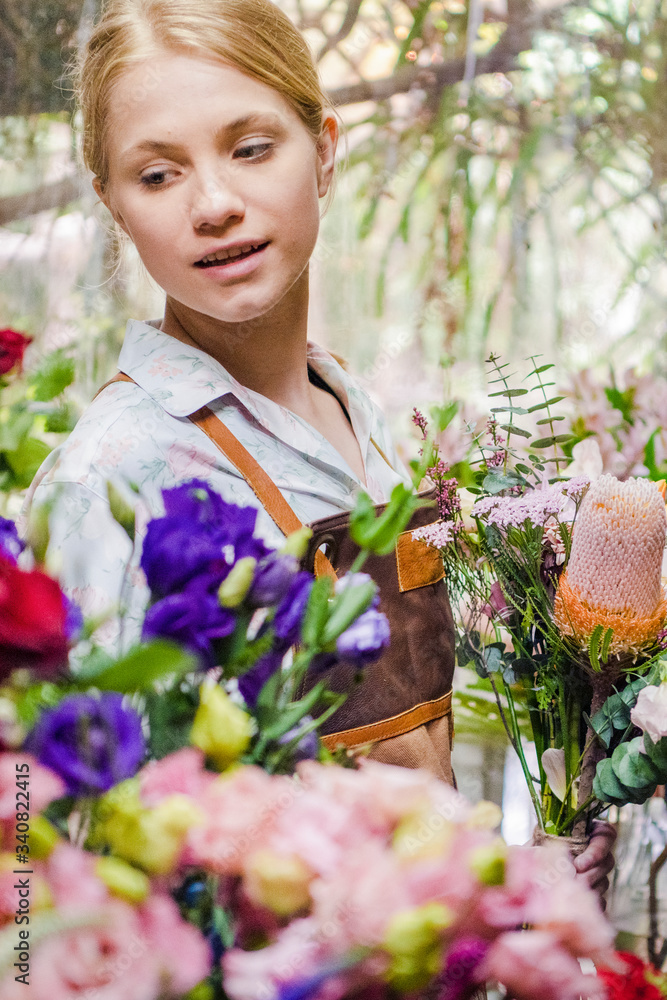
140 434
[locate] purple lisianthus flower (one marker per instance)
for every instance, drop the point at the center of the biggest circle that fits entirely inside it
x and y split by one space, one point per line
460 973
11 545
194 619
290 611
200 533
175 551
73 621
196 503
272 579
308 746
92 743
252 682
365 639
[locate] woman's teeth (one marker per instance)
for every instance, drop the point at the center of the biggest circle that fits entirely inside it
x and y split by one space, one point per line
228 256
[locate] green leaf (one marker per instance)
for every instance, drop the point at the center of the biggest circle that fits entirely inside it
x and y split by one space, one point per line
606 786
594 646
140 668
524 469
542 368
633 768
170 719
61 420
53 376
291 714
658 754
546 402
443 415
347 607
606 643
509 409
15 429
548 420
493 659
614 716
495 482
549 441
513 429
26 460
317 611
510 393
623 401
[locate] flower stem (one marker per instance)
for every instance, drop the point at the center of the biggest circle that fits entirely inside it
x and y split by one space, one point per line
522 757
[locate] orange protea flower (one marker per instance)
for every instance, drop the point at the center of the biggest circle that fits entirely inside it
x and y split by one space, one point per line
613 577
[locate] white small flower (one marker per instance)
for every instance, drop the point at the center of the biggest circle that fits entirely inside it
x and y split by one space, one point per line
553 762
650 712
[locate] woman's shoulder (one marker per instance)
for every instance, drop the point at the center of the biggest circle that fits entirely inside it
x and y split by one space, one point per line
115 432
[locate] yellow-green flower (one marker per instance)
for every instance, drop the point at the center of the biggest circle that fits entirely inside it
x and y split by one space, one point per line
488 863
151 838
277 882
221 729
414 940
122 880
236 585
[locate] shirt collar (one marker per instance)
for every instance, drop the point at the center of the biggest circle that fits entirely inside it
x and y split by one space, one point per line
182 378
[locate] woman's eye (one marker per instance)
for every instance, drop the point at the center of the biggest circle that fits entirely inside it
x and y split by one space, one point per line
253 151
154 179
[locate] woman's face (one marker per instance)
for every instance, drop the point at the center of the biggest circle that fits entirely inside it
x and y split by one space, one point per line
204 160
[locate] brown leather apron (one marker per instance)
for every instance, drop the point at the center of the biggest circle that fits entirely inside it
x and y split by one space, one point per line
401 704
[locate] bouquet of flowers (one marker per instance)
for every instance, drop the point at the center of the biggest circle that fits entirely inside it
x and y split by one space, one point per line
170 824
562 609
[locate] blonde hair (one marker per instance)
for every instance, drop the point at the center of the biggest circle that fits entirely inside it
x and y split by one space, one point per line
254 36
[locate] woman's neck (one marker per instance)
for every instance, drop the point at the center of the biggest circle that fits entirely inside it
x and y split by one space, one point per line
267 354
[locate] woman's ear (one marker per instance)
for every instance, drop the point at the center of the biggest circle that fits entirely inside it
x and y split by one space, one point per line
104 196
326 154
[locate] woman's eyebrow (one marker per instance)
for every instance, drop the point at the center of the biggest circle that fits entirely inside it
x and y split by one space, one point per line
228 131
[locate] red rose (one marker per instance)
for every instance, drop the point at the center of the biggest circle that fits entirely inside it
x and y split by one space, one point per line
631 984
12 346
33 621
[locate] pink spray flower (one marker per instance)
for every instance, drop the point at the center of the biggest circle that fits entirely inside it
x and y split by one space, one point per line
241 810
180 773
45 786
532 964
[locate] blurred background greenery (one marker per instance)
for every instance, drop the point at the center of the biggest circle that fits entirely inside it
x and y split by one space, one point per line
502 186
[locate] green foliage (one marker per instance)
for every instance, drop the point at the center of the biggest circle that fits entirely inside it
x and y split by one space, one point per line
378 533
138 670
52 377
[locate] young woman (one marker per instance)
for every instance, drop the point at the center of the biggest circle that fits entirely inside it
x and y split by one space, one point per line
211 144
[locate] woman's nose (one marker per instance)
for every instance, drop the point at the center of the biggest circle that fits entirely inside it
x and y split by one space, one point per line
216 200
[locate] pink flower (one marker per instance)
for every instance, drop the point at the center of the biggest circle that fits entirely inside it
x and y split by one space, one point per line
256 975
108 960
179 773
241 809
650 712
532 964
183 954
571 913
117 952
353 907
72 880
44 787
527 882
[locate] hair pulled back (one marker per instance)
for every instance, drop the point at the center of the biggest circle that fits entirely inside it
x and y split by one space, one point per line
254 36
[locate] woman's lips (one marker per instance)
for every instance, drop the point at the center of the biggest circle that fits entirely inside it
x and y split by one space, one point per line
233 267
